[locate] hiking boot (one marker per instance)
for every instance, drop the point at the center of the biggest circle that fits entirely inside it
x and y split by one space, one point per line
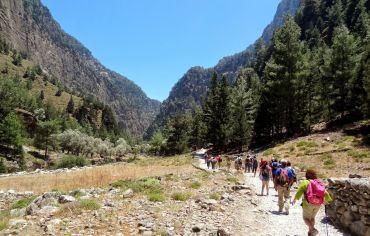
314 232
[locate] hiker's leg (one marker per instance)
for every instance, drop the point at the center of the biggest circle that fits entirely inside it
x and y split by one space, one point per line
280 198
286 199
309 224
267 186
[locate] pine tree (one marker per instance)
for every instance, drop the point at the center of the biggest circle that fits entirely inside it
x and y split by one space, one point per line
223 108
342 67
12 132
178 130
198 129
210 115
70 106
282 75
260 57
244 104
44 132
335 19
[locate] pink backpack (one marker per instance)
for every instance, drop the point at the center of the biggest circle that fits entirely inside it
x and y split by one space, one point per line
315 192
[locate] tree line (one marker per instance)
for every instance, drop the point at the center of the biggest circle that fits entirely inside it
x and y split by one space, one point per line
316 69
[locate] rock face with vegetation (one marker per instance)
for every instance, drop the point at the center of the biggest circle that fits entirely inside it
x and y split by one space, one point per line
190 91
29 28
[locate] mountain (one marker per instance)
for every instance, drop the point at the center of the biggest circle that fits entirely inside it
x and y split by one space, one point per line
29 27
189 91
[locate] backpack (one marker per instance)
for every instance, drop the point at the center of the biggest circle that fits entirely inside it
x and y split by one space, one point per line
315 192
283 178
265 173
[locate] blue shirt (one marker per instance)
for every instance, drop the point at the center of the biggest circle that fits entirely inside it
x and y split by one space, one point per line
290 172
273 165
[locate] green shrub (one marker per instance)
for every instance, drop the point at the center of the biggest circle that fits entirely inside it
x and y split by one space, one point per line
3 224
70 161
308 144
358 154
232 179
142 185
4 219
181 196
3 168
89 204
195 185
22 203
156 197
77 193
269 152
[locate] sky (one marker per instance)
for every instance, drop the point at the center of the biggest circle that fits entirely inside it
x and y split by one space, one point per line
154 42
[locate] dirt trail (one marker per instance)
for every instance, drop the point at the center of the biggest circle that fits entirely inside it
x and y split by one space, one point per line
273 223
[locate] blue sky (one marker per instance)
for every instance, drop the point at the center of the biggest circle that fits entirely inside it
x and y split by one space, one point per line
154 42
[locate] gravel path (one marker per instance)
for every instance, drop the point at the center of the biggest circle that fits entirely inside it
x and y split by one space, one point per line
281 224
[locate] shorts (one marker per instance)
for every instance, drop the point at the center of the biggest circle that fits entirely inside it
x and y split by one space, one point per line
310 211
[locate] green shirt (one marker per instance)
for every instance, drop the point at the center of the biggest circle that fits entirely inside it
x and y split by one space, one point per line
302 190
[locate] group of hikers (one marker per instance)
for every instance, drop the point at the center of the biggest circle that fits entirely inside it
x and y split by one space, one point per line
282 174
212 161
310 188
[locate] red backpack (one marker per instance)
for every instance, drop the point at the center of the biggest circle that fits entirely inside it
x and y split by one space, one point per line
315 192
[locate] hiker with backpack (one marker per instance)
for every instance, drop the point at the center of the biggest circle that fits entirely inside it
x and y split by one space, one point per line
219 160
254 165
213 162
282 183
208 161
274 167
289 165
264 174
314 196
247 165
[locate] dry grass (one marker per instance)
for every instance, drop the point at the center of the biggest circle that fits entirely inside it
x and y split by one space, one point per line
94 177
340 156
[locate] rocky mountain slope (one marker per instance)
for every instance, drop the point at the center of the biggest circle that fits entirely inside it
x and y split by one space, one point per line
28 27
191 88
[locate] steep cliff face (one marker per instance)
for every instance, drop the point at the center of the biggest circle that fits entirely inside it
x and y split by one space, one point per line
28 27
189 91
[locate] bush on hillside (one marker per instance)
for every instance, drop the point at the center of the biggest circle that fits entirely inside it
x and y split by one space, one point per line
70 161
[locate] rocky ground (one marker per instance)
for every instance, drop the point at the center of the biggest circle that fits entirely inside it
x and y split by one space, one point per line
200 203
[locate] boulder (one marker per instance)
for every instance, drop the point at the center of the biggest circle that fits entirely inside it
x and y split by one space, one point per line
66 198
47 210
359 228
18 212
128 193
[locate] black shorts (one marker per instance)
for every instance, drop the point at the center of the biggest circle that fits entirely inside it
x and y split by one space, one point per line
254 169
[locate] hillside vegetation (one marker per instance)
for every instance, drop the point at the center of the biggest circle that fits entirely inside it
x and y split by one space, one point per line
315 70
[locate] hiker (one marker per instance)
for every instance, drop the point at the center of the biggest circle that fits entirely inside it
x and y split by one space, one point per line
213 163
205 157
314 196
254 165
208 160
219 160
247 164
274 166
282 183
289 165
264 174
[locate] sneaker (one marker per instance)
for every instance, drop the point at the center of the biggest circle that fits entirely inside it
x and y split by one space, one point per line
314 232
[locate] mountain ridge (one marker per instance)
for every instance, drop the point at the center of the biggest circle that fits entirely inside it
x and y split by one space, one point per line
29 27
190 89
